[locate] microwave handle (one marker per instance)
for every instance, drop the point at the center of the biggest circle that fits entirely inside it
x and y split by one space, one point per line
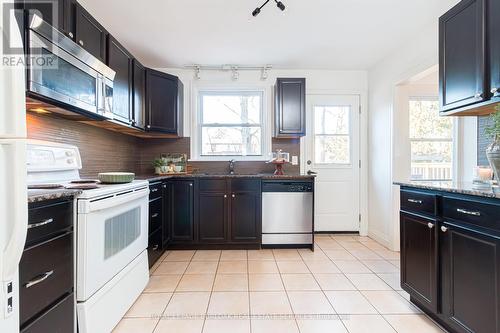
101 93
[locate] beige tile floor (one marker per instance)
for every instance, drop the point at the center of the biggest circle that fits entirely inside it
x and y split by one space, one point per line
350 284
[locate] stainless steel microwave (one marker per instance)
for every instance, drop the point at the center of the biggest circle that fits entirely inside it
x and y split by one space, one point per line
62 71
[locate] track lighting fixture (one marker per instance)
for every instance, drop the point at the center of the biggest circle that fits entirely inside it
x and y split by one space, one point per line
257 10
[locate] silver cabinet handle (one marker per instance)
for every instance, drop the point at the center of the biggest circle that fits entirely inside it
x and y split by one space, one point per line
444 229
430 225
225 196
70 34
154 215
155 247
148 126
36 225
415 201
164 186
80 42
42 278
233 195
154 190
190 184
478 95
468 212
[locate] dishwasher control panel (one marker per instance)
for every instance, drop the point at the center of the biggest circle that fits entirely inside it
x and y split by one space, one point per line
287 186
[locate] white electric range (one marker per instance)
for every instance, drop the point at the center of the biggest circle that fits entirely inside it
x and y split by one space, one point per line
111 224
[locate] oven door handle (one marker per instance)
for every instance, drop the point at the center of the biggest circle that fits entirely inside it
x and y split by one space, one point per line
89 206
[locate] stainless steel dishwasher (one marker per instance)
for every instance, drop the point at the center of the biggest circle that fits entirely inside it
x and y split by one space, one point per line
287 213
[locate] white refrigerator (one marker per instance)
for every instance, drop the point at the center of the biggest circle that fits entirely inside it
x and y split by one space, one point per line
13 192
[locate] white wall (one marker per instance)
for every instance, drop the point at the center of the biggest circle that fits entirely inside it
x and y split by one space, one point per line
386 148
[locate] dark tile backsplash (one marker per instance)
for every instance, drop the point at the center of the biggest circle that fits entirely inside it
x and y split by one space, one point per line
106 151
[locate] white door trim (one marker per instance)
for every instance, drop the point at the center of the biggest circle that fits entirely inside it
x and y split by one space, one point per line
363 150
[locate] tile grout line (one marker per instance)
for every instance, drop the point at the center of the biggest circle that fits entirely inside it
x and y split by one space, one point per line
211 293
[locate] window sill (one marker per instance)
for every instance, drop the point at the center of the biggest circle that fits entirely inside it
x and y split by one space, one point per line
229 158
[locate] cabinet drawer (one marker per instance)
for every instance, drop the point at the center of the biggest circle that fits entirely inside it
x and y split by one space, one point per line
46 221
45 275
418 202
155 214
154 191
154 247
58 319
212 185
486 215
245 185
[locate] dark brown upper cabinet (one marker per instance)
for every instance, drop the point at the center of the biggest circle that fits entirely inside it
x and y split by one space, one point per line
139 96
58 13
89 33
164 102
493 18
121 61
462 74
290 108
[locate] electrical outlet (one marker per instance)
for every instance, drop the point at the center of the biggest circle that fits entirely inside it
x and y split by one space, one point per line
295 160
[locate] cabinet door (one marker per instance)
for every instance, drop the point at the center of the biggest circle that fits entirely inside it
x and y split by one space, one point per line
139 96
290 110
166 196
470 280
55 12
120 61
419 259
245 217
90 34
181 210
494 40
212 217
462 56
163 102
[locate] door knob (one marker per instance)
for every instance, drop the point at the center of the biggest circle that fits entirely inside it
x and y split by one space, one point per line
309 162
444 229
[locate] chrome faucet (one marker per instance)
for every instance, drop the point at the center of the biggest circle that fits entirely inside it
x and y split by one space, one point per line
231 166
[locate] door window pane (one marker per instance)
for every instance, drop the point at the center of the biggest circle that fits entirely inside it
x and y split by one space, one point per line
332 142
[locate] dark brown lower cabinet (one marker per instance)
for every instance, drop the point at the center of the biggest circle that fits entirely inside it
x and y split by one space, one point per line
419 258
450 260
245 217
212 220
470 279
182 210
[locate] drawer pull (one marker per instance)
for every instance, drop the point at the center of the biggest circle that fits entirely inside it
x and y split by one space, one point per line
415 201
156 247
468 212
155 215
40 224
430 225
36 281
444 229
154 190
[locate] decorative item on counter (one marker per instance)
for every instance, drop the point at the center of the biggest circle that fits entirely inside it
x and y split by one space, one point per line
279 158
172 164
160 166
493 150
482 177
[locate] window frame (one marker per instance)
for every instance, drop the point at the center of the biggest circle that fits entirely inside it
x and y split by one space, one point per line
197 122
452 140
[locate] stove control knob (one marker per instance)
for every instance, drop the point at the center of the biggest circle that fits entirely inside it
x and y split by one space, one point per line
70 161
69 153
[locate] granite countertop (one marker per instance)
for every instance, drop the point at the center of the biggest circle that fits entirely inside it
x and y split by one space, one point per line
43 195
451 187
153 178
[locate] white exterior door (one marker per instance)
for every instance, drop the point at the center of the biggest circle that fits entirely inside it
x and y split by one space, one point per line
332 151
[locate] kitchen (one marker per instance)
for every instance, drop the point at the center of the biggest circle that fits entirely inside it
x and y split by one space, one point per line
174 186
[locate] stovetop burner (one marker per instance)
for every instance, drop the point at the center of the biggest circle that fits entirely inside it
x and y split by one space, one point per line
45 187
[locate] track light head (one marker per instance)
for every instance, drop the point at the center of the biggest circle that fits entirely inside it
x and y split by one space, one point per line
256 12
280 5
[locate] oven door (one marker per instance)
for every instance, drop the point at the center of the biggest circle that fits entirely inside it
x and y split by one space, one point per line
111 233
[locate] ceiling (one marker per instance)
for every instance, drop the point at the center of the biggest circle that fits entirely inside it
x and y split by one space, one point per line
312 34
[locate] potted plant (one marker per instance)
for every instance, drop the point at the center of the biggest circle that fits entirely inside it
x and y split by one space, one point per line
493 151
160 165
